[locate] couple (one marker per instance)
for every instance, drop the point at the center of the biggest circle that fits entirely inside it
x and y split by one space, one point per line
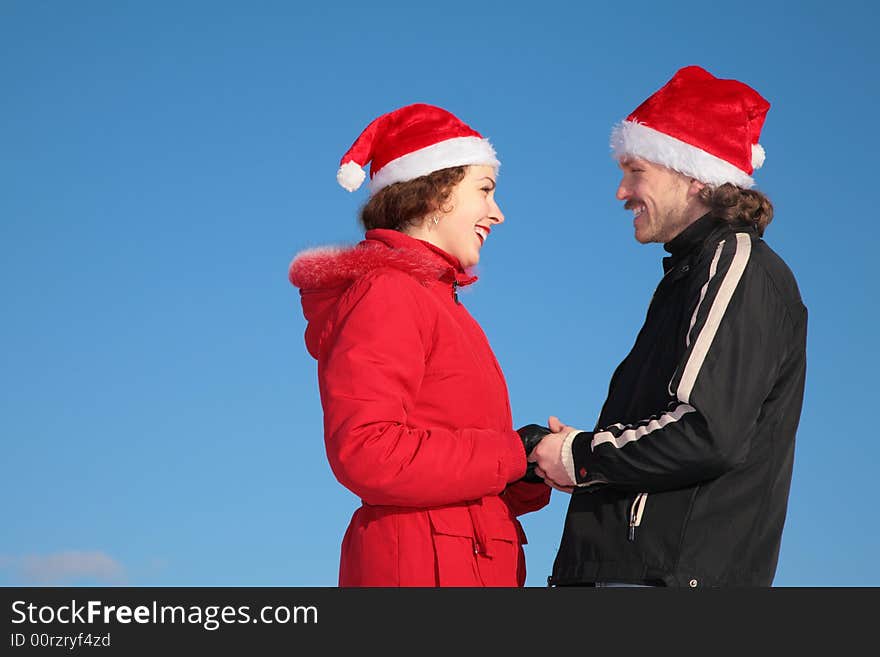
684 479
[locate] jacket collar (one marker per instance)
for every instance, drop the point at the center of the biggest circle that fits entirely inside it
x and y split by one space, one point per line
689 240
452 269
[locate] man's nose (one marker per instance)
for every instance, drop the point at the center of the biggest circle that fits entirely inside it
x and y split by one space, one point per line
622 192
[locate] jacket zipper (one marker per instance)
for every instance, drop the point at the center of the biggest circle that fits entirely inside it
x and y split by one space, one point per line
635 514
455 292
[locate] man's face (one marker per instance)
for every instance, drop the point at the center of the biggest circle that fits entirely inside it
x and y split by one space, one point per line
663 200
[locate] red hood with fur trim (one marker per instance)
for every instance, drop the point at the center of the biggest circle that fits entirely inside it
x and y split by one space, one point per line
324 274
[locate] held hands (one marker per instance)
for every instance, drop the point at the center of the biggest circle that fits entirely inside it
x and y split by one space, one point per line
531 435
546 455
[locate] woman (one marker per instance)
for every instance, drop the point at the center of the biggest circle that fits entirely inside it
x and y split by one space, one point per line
417 419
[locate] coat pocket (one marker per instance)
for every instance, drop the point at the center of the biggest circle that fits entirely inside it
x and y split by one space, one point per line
477 546
455 547
494 522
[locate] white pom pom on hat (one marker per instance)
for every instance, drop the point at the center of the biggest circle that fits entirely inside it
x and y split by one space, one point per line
410 142
758 156
350 175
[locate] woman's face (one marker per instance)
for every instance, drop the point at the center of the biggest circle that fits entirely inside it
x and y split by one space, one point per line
466 218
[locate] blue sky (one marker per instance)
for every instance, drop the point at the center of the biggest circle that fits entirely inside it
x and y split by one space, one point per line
161 163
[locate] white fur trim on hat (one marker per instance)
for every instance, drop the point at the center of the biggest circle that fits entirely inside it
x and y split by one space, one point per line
629 138
455 152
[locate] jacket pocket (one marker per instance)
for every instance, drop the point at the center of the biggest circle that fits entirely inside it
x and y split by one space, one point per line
452 521
493 521
455 547
482 532
501 525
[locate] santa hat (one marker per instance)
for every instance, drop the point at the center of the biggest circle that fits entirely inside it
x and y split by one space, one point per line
699 125
410 142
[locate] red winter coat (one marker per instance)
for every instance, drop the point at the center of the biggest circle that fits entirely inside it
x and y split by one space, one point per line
417 419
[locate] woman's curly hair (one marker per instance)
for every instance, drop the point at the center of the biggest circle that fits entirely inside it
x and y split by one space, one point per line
404 204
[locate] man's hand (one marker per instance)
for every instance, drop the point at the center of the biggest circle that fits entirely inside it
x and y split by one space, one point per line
531 476
547 453
556 425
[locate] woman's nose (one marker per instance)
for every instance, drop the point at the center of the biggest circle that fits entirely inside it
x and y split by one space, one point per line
498 216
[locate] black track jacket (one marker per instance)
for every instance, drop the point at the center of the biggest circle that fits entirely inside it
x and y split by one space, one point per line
685 478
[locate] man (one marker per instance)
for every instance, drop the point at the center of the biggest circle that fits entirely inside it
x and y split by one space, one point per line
685 479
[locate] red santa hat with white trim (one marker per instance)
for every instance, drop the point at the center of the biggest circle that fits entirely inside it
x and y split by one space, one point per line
702 126
410 142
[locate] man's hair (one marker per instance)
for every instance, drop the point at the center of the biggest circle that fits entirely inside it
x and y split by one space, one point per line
402 204
737 205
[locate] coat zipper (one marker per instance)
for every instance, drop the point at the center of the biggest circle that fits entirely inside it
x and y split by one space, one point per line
635 514
455 292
